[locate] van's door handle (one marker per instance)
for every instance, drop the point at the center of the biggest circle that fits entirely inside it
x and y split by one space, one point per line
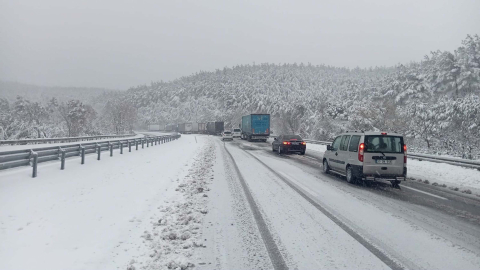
336 153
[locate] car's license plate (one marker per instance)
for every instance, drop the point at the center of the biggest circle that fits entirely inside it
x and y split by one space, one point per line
381 161
294 143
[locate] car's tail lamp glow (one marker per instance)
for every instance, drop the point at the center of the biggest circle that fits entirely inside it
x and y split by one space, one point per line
286 143
304 143
361 148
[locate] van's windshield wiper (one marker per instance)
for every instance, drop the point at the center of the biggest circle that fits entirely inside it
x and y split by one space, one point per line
382 153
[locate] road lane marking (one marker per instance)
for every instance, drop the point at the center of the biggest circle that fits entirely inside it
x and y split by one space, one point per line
417 190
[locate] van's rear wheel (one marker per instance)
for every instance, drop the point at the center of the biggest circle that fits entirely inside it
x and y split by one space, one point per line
326 169
350 177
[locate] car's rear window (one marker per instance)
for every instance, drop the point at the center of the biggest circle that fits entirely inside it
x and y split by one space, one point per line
236 130
227 132
292 137
385 144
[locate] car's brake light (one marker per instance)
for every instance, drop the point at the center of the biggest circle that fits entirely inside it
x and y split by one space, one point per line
304 143
286 143
361 148
384 133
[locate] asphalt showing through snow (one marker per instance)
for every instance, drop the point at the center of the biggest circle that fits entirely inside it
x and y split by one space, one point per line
393 264
274 253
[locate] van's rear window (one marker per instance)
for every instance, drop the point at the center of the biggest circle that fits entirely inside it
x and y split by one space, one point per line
385 144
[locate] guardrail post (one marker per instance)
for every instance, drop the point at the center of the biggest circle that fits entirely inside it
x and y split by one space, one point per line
156 140
99 148
148 142
111 148
34 163
82 153
129 146
121 148
143 141
136 144
62 159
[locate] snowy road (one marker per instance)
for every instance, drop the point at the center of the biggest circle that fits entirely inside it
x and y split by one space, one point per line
201 203
325 223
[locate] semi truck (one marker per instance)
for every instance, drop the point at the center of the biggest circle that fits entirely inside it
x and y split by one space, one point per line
215 128
153 127
185 128
202 128
194 127
255 127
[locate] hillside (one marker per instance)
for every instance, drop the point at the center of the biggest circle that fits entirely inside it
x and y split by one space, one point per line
429 101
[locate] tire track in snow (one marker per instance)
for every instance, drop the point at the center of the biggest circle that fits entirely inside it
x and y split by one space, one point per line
385 258
273 251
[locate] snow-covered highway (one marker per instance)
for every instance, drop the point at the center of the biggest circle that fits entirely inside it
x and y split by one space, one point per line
201 203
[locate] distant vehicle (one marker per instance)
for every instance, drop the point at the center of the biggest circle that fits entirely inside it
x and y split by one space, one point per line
185 128
202 127
227 135
285 144
169 127
237 133
256 127
215 128
368 156
194 127
153 127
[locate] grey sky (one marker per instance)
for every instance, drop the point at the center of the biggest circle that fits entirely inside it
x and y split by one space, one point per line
119 44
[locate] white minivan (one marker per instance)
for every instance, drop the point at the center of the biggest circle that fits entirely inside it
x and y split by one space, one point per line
367 156
237 133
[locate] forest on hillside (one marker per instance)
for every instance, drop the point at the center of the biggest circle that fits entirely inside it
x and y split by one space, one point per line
434 102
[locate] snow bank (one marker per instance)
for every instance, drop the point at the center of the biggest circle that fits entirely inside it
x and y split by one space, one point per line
175 235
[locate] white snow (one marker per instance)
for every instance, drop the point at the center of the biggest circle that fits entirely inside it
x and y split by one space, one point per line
441 173
90 216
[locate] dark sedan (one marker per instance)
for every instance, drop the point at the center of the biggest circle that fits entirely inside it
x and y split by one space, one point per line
289 144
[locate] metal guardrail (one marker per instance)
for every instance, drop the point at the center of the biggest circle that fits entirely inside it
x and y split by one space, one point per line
448 160
31 157
62 140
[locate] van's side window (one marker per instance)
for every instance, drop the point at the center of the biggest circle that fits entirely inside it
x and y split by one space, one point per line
336 143
354 143
344 144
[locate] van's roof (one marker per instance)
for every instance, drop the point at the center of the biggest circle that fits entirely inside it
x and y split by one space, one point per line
367 133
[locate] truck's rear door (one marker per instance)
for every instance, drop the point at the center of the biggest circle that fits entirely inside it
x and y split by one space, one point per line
384 155
261 124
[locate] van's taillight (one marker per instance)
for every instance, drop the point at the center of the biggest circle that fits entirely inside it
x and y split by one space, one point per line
405 159
405 153
405 148
361 147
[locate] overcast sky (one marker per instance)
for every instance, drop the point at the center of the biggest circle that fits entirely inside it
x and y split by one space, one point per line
119 44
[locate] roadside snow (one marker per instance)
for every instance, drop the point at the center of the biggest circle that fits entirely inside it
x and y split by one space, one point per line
441 173
92 216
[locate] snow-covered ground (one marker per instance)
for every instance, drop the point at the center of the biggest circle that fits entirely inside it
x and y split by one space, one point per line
98 215
32 146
